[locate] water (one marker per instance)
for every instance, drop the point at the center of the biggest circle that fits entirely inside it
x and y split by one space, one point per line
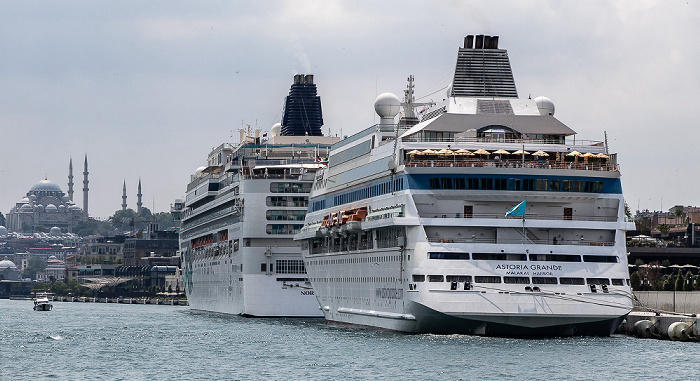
96 341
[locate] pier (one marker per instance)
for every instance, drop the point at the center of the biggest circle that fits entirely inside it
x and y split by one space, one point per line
85 299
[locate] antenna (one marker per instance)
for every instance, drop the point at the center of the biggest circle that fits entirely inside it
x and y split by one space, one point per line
606 141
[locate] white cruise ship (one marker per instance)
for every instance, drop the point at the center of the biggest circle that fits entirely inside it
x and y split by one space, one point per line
241 213
486 215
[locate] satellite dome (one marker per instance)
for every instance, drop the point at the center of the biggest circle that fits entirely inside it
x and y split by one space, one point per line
276 130
26 207
198 171
45 185
74 207
32 197
3 231
65 198
55 231
6 264
40 208
545 105
61 208
51 208
387 105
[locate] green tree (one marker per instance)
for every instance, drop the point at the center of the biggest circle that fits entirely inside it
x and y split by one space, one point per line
678 212
669 284
663 228
165 220
688 285
636 281
680 281
35 265
92 227
628 212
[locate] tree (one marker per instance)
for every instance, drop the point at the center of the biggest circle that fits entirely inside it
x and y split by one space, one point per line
669 284
35 265
2 220
663 228
165 220
92 227
680 281
636 281
688 285
628 212
678 212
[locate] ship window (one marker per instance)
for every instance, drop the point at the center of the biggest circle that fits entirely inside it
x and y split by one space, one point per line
554 185
486 184
290 266
263 267
446 183
500 184
598 281
487 279
434 183
459 183
528 184
578 186
600 258
567 185
516 279
235 245
499 257
575 281
435 278
541 184
442 255
458 278
555 257
514 184
418 278
618 282
544 280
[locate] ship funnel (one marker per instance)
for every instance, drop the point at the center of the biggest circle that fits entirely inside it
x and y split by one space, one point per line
479 41
469 42
494 42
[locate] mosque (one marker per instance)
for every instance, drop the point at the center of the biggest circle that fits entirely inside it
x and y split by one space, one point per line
47 205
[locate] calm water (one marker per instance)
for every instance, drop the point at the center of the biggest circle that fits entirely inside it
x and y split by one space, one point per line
95 341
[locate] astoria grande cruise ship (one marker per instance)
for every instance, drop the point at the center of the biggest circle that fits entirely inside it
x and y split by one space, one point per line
482 214
242 210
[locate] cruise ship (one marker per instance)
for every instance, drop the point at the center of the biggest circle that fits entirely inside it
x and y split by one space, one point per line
241 212
482 214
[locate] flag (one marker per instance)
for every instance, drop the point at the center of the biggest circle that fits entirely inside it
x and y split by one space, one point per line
265 135
518 210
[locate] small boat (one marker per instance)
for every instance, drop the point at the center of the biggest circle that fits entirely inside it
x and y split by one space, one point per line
41 303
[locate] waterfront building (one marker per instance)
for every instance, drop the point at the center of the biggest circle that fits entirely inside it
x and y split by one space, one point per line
46 206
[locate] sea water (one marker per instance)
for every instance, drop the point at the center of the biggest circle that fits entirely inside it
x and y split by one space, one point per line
97 341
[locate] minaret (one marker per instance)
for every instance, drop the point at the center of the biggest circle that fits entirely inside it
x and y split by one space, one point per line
70 179
138 203
85 189
124 197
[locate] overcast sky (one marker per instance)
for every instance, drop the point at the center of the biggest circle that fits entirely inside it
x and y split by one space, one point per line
147 88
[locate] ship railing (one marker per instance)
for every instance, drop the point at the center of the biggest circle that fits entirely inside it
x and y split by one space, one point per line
511 164
521 240
417 138
501 216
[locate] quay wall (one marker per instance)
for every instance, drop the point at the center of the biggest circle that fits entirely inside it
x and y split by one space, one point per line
687 302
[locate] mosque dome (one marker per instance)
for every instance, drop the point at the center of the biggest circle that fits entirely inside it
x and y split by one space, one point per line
65 198
26 207
40 208
5 264
55 231
45 185
61 208
51 208
32 197
74 207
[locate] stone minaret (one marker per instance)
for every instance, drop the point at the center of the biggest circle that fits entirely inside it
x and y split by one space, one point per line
85 189
70 179
124 197
139 203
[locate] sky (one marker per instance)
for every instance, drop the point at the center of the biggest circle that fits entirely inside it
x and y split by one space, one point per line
146 89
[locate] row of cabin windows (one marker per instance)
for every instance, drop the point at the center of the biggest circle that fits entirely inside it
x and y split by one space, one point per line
525 257
290 187
367 192
516 184
520 280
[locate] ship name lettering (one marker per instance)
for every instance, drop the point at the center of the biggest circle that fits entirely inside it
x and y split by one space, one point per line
512 267
389 293
547 267
307 292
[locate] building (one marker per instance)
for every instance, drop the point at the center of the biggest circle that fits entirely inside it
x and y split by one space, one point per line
155 244
46 206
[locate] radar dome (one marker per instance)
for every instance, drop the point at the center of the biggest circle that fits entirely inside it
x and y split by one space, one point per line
276 130
545 105
387 105
199 171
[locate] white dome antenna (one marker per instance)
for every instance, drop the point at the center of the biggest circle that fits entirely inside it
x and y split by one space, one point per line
387 106
545 105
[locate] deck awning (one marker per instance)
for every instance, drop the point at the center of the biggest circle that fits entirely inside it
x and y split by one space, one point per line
524 124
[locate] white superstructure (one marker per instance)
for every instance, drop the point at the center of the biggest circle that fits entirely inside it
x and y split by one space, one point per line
239 217
407 227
